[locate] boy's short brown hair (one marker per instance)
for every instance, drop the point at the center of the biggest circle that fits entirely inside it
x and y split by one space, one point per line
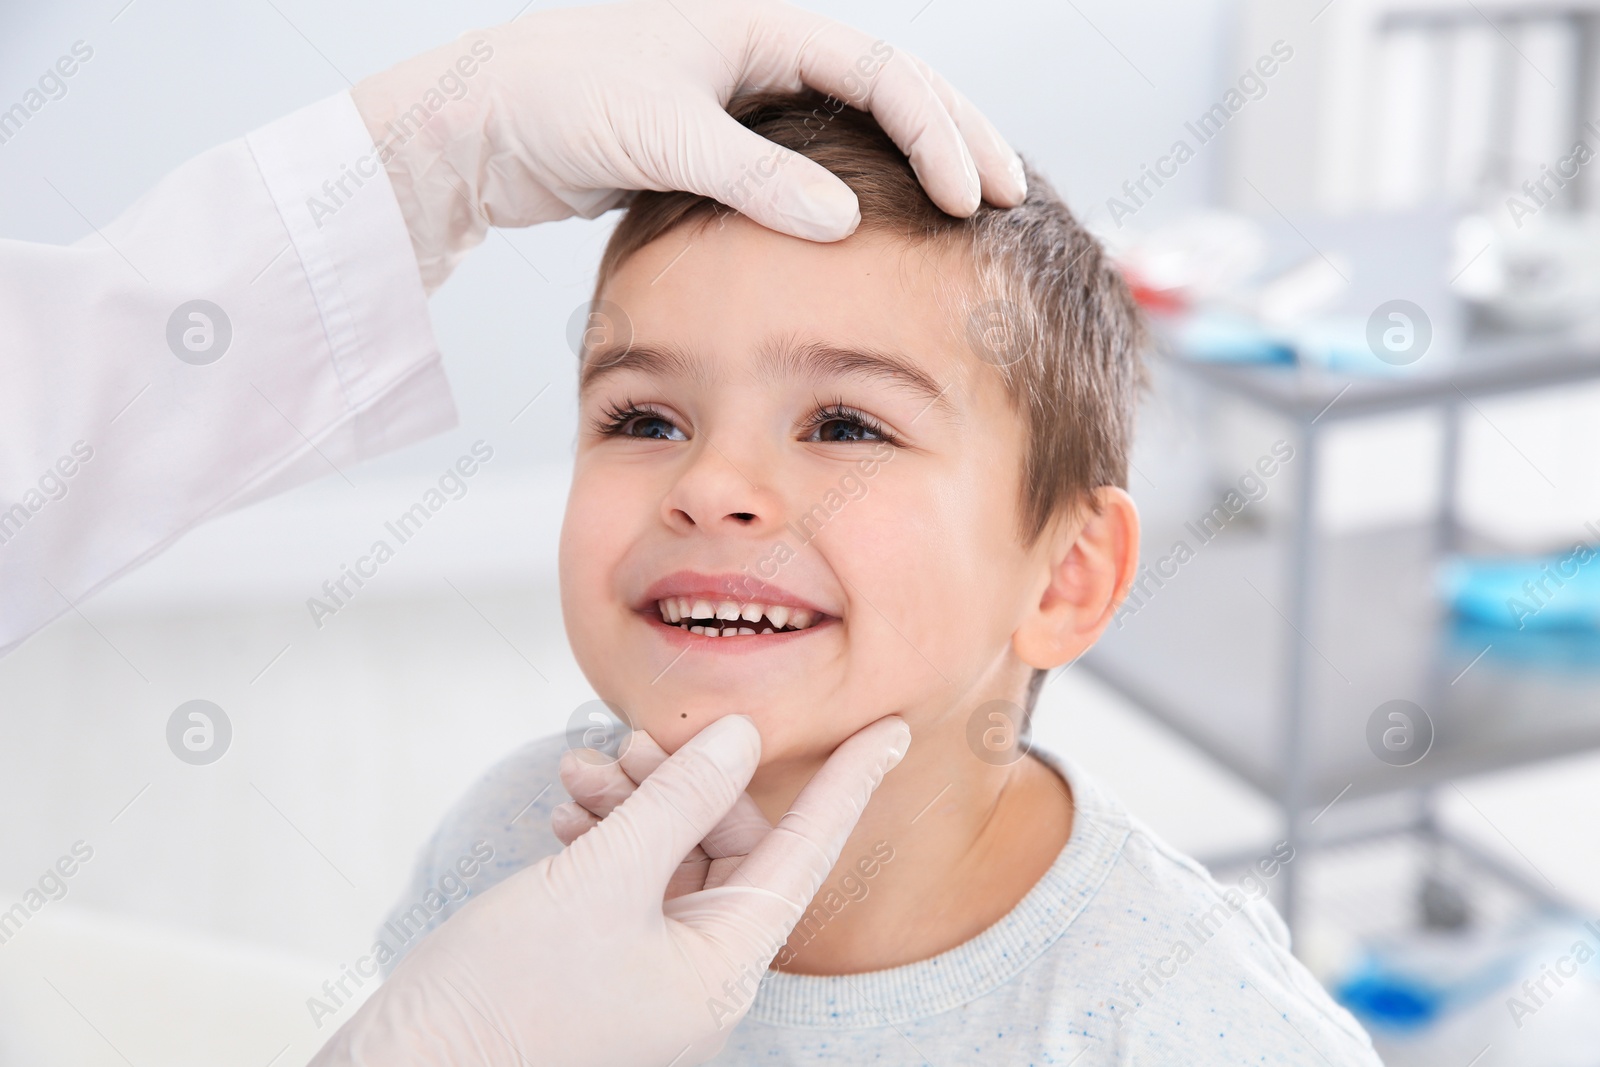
1054 316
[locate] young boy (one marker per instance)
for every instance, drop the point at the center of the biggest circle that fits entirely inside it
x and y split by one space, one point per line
819 484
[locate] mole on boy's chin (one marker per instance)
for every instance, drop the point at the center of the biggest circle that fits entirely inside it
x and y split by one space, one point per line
671 725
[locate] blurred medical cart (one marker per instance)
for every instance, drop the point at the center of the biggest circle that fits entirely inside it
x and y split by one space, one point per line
1272 649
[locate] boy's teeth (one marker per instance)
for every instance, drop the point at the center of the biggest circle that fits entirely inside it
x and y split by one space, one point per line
708 618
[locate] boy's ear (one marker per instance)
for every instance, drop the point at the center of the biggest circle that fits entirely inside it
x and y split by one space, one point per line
1092 561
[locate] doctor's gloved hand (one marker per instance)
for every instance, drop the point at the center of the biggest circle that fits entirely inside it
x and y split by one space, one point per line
560 113
579 960
597 788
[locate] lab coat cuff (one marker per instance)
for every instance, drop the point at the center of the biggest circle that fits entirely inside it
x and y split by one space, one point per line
344 224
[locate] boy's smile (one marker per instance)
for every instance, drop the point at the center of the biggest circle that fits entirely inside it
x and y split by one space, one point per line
796 493
703 606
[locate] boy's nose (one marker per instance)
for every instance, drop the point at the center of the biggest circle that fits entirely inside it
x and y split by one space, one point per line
719 493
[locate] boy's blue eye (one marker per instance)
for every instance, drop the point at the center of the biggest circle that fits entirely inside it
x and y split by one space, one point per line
841 425
641 423
654 427
846 429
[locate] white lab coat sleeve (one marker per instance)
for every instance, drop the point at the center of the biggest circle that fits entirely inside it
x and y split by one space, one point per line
112 446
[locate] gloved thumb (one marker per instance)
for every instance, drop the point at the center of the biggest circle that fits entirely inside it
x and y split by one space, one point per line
640 844
779 188
755 910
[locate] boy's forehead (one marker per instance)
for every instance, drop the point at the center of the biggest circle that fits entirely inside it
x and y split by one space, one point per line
707 302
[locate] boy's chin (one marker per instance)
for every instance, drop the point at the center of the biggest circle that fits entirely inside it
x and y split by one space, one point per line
784 737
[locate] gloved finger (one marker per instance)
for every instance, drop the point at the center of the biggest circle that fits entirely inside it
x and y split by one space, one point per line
571 821
1005 184
640 845
596 791
780 189
744 827
872 75
786 869
690 877
600 787
720 871
642 756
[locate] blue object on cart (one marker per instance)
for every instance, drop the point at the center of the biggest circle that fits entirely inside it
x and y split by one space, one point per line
1393 1001
1217 337
1542 593
1409 984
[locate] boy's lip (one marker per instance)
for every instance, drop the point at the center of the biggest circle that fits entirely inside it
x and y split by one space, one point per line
739 588
719 587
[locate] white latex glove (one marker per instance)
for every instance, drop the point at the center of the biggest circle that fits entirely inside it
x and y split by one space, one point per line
598 788
564 111
578 961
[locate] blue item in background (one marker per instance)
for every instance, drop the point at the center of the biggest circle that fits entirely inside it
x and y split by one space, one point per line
1447 997
1334 344
1412 981
1574 651
1559 592
1217 337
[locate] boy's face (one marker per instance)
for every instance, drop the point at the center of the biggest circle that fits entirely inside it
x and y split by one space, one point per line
801 426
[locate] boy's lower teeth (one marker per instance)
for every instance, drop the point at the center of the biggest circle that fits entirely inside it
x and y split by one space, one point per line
730 631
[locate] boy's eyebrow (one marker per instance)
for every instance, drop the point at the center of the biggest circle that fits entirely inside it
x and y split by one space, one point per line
818 360
814 360
660 360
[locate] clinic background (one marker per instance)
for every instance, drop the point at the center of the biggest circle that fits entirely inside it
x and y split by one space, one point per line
220 897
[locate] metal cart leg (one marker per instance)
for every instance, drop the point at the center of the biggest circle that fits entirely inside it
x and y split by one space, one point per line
1298 610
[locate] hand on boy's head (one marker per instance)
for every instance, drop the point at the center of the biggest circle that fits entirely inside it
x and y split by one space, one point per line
560 112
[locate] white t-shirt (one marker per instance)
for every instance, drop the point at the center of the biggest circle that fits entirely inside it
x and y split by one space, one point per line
1125 952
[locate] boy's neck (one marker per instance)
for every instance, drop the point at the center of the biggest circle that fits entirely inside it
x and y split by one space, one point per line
948 845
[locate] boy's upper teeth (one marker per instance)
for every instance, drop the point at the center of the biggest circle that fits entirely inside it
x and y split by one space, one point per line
699 615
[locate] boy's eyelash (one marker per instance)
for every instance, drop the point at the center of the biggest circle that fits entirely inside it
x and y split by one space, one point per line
836 411
614 418
611 421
